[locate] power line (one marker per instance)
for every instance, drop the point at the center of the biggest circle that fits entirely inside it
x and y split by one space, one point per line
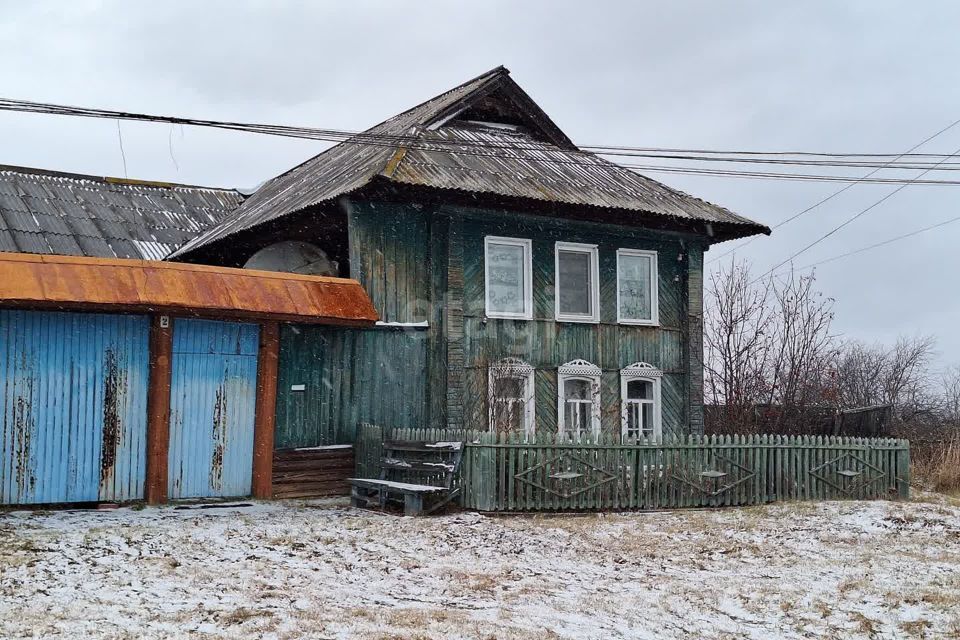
765 153
782 176
849 220
369 137
459 146
846 188
881 244
892 164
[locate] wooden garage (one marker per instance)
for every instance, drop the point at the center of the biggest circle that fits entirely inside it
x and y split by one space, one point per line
127 379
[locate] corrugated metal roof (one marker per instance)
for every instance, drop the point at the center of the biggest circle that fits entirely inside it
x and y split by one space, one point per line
48 212
543 171
67 282
548 167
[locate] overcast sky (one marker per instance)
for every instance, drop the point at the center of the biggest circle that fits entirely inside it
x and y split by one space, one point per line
821 76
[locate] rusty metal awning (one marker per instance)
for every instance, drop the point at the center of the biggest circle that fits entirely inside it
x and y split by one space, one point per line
65 282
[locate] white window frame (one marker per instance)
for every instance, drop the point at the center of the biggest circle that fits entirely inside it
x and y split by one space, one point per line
527 246
578 370
591 250
654 288
513 368
647 373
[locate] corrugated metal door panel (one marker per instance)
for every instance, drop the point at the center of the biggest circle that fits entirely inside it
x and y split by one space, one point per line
213 398
73 392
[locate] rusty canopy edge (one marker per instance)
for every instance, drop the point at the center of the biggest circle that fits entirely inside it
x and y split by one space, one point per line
67 282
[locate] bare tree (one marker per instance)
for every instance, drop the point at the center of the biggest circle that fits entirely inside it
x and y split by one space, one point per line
804 347
736 342
875 375
950 395
773 364
766 344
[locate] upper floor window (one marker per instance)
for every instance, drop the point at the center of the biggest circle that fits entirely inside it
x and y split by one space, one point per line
637 287
640 403
578 403
578 290
511 398
508 277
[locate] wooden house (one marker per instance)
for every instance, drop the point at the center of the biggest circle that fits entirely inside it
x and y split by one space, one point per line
522 284
460 265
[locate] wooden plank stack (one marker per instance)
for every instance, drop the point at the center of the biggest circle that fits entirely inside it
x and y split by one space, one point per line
314 472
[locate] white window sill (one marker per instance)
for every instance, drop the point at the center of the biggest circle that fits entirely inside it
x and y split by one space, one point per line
579 320
640 323
503 316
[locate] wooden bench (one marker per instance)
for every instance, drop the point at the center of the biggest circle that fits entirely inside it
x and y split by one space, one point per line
418 475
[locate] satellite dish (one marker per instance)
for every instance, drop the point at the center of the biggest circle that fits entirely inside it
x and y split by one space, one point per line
293 256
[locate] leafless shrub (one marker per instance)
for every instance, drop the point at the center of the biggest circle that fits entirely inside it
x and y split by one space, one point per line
767 344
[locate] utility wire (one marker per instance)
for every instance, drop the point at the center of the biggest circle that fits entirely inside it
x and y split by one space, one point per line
781 176
123 155
436 143
461 146
833 195
881 244
481 148
847 221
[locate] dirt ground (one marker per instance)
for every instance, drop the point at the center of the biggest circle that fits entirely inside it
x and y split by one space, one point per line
324 570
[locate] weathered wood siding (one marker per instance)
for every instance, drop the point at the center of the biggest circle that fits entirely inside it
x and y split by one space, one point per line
423 264
389 251
348 376
546 344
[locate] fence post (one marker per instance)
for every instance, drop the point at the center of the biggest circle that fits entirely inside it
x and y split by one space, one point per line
903 475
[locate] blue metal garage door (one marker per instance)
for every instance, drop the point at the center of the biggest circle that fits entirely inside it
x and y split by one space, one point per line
73 416
213 397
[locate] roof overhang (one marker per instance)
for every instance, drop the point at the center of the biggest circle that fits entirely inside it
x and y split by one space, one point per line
709 232
99 284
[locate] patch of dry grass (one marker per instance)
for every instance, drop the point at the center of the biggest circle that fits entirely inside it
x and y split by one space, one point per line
865 625
938 469
915 628
476 582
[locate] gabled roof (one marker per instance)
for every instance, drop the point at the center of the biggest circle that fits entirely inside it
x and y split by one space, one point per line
516 151
50 212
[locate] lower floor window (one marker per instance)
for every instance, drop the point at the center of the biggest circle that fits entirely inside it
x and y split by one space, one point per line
511 397
578 409
640 397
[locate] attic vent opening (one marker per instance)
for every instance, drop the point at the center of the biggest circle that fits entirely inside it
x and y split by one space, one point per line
485 124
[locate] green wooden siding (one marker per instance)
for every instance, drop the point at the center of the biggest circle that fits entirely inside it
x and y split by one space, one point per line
421 264
389 256
546 344
349 376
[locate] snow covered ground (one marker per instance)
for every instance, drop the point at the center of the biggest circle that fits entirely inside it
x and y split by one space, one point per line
324 570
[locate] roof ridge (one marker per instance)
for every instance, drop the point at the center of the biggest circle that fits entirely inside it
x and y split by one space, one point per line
499 70
133 182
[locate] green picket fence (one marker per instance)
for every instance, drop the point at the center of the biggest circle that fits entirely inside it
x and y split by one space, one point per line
515 473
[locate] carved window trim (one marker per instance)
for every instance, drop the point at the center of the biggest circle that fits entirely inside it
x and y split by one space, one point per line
517 369
585 371
648 373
